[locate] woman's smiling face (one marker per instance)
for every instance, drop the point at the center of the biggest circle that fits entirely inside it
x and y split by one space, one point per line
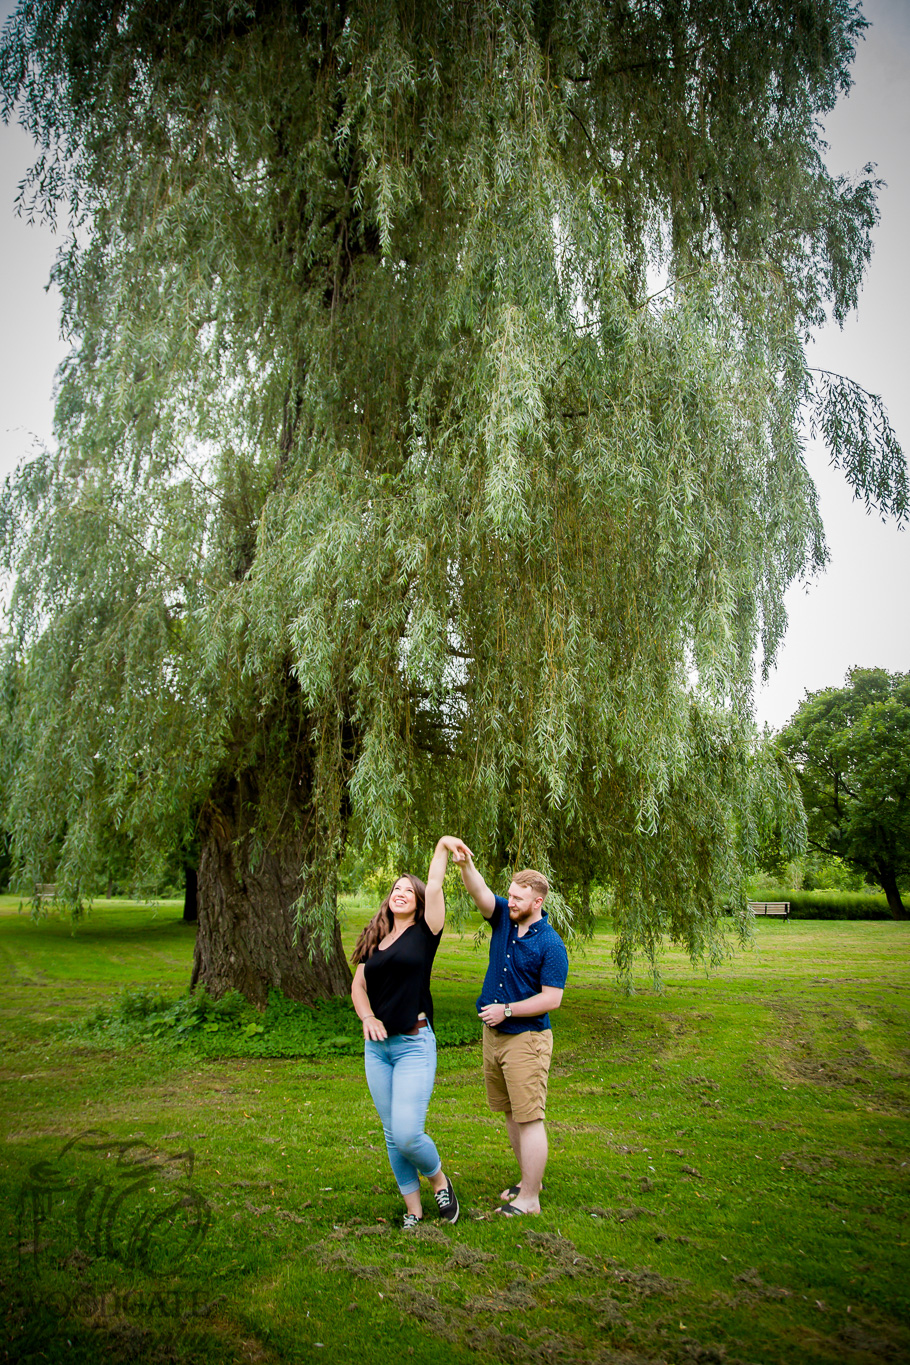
403 898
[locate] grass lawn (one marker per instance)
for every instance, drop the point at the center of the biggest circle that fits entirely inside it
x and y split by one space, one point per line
727 1179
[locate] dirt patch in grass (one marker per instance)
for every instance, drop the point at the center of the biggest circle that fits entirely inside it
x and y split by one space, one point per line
523 1293
802 1054
648 1284
603 1310
755 1290
466 1258
338 1258
515 1297
847 1068
691 1350
809 1163
543 1349
869 1343
626 1215
857 1345
416 1303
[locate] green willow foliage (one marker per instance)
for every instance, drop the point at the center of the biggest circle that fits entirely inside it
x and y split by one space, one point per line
429 449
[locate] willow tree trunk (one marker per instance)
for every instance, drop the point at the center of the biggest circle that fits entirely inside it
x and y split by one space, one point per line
247 938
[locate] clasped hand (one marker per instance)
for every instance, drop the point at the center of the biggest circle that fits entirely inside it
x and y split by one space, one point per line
492 1015
458 849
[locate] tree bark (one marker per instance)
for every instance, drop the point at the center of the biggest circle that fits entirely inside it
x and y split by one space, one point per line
889 886
247 938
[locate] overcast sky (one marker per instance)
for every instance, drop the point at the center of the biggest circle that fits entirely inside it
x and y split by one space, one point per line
857 612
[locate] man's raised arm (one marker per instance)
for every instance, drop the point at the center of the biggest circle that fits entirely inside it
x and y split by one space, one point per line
475 885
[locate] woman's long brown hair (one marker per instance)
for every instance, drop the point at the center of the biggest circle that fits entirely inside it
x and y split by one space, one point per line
383 921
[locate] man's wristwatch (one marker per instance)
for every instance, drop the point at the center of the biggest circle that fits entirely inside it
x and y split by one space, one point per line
507 1011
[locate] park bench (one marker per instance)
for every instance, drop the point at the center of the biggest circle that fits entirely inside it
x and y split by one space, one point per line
45 892
779 908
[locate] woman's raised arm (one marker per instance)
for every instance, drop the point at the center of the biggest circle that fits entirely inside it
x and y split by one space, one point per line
435 908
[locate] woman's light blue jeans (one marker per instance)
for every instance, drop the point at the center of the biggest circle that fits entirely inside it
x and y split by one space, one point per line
400 1073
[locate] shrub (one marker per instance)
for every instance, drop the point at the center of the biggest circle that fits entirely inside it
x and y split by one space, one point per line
829 904
232 1026
822 873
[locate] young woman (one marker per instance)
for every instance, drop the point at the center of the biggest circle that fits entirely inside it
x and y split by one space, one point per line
391 994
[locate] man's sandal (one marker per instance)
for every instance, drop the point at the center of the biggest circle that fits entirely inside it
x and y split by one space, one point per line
510 1211
514 1190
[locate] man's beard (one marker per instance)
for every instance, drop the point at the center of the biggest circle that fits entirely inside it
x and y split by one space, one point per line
519 916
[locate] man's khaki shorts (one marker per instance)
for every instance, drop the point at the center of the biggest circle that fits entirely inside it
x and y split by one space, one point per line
516 1067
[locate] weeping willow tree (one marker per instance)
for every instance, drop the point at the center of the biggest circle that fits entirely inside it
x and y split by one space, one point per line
429 446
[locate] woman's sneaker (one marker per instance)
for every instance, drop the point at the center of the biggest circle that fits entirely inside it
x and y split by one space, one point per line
410 1222
447 1203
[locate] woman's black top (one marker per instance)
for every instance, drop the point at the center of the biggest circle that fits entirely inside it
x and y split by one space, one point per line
397 978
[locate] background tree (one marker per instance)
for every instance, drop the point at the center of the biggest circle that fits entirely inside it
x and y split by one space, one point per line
851 747
819 871
388 489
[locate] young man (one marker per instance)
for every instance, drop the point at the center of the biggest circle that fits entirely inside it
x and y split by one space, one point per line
524 981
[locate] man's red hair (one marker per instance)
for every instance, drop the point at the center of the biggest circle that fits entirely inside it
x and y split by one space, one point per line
535 880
